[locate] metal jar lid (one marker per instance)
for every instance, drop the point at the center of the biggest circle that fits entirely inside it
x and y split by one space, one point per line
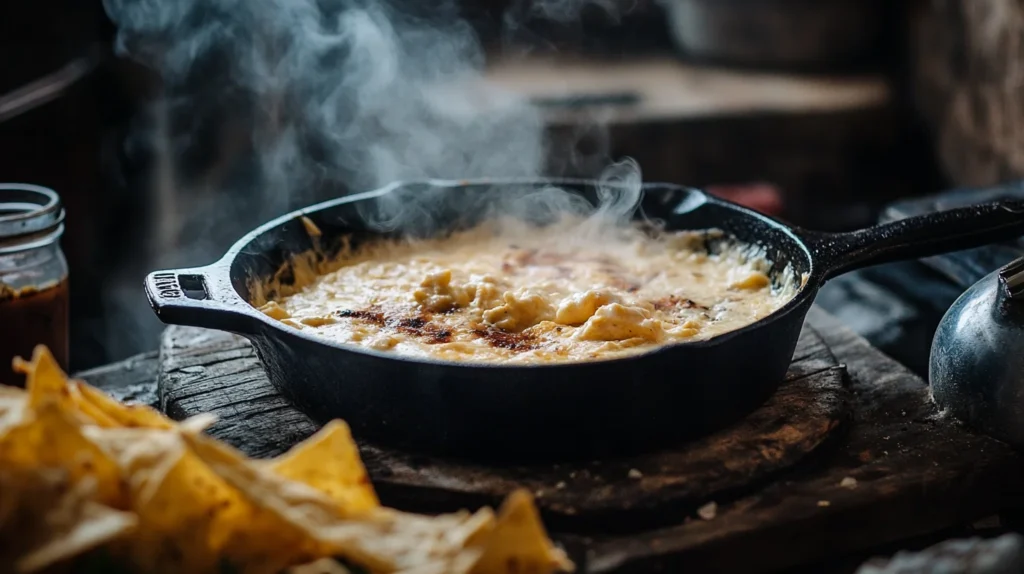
29 214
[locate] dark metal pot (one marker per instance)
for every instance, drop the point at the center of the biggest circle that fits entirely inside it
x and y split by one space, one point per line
976 367
544 411
777 34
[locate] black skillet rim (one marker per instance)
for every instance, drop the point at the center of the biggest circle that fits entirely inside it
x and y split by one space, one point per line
807 288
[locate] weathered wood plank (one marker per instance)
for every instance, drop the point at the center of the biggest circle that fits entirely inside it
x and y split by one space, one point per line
209 371
204 372
915 473
131 380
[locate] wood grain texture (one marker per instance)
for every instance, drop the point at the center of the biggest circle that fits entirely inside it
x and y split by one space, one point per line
203 371
132 380
667 89
965 64
913 471
624 493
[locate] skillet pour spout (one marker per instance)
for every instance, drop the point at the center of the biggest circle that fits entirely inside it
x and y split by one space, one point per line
555 411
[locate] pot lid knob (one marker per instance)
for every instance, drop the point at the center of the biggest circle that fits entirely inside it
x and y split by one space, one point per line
1012 278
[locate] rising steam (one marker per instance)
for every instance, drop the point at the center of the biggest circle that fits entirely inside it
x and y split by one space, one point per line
349 95
344 95
326 97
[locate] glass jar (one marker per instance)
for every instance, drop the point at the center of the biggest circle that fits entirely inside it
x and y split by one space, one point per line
33 276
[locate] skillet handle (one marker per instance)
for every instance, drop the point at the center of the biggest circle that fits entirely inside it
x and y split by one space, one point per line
199 297
916 237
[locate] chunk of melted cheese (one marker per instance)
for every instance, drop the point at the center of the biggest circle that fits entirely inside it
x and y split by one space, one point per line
539 297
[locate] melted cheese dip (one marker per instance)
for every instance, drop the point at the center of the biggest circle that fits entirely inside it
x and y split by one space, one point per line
545 296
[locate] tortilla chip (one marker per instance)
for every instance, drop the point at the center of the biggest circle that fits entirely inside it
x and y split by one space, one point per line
47 438
45 520
272 529
329 462
197 424
45 381
87 410
186 513
179 502
7 393
13 408
519 543
26 495
160 497
414 544
75 526
117 413
321 566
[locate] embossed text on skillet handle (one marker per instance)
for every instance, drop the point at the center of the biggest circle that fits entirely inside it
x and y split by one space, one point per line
199 297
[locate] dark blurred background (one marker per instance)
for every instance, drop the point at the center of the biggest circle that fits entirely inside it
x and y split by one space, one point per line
690 88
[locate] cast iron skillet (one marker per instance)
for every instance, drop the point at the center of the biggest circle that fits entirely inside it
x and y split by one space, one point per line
566 410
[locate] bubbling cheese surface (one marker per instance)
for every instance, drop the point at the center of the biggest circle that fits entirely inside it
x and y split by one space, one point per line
533 296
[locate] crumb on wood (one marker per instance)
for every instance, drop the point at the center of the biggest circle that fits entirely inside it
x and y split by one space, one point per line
708 511
824 503
634 473
848 482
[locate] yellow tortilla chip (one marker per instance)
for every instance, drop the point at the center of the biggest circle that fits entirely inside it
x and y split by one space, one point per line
47 438
75 526
13 408
8 393
519 543
271 530
50 520
25 497
329 462
381 541
117 413
321 566
44 379
197 424
414 544
163 498
191 519
90 412
179 502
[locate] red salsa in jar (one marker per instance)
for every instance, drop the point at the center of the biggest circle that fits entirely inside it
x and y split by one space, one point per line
33 277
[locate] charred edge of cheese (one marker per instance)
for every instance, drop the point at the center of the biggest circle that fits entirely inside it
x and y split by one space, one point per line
416 326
